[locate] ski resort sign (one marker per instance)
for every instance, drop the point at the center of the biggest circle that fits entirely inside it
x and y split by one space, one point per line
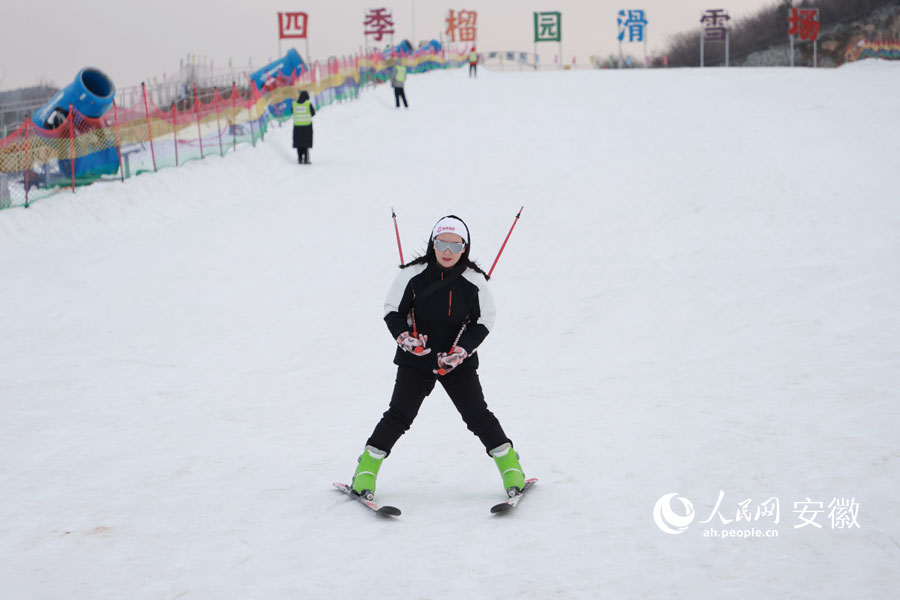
292 25
633 23
715 25
714 28
547 28
805 23
378 23
462 25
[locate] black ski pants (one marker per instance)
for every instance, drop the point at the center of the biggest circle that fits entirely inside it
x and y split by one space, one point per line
398 94
411 388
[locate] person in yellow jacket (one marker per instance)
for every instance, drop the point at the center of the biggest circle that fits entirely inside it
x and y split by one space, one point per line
303 131
397 80
473 63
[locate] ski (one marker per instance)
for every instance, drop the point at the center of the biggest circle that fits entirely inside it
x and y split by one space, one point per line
513 501
392 511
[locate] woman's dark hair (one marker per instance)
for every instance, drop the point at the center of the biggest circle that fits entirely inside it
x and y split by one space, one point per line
430 258
303 97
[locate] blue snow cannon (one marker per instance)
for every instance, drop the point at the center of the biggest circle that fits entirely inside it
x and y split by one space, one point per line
430 63
285 67
402 48
91 94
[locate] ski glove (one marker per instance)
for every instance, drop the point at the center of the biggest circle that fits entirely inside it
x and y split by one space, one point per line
413 345
449 361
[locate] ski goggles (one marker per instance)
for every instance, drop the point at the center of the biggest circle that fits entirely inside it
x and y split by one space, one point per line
454 247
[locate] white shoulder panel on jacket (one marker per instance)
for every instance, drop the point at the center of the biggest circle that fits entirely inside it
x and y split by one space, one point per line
395 294
485 298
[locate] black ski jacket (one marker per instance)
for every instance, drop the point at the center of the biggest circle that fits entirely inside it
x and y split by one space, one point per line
442 301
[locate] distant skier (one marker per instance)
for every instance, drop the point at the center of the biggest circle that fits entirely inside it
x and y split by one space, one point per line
473 63
304 111
441 302
397 81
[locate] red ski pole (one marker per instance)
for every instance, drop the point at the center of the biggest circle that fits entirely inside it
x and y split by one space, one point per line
397 231
506 240
412 317
418 350
443 371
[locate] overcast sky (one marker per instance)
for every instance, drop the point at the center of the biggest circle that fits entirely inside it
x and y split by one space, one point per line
51 41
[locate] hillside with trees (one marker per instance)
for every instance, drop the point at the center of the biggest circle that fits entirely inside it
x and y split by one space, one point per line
762 39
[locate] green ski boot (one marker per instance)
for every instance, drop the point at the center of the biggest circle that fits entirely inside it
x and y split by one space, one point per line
507 461
363 482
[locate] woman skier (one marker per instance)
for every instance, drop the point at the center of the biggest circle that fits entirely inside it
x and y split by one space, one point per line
439 309
304 111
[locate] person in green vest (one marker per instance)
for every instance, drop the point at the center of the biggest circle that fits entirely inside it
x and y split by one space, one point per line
473 63
303 131
397 81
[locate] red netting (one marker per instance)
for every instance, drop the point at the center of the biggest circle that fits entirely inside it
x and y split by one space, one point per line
127 141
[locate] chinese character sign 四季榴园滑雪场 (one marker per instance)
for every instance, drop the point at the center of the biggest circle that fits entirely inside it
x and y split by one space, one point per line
714 25
805 22
633 23
292 25
632 27
462 26
714 22
547 27
378 22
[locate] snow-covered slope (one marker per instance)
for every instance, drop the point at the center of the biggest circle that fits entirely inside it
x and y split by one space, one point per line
701 296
